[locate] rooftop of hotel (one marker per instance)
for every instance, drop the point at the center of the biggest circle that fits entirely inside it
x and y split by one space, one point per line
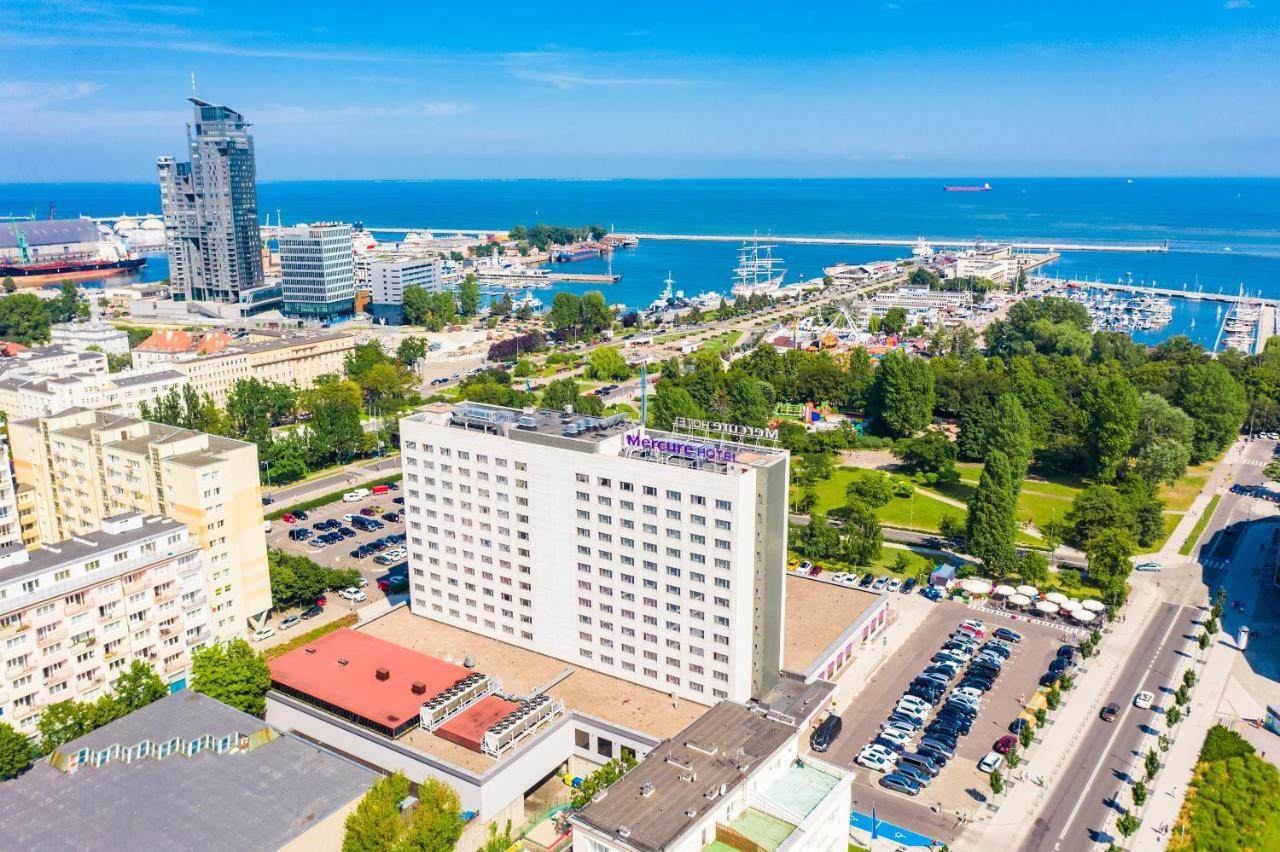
649 805
817 614
522 671
261 798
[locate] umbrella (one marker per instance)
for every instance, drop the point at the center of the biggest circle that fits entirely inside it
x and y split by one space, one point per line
1029 591
1094 606
1019 600
1071 604
1083 615
1004 591
1047 607
976 585
1056 597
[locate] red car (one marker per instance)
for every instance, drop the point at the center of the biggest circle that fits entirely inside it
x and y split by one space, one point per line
1005 743
322 601
289 519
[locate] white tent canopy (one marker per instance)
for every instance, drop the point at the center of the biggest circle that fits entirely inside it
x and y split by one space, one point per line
976 585
1056 597
1071 604
1094 606
1047 607
1029 591
1019 600
1083 615
1004 591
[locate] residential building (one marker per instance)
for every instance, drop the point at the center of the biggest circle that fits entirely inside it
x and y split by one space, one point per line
28 514
53 360
318 271
10 516
79 336
185 772
86 466
43 381
647 555
296 360
388 277
737 778
170 344
211 208
75 613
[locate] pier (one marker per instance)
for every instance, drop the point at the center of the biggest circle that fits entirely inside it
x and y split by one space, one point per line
585 276
1144 248
1231 298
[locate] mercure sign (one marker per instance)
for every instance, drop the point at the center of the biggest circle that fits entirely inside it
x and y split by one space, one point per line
699 449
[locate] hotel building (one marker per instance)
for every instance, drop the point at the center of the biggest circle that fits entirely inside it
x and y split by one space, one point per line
86 466
654 557
75 614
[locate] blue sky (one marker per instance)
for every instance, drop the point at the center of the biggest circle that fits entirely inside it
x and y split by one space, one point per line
94 90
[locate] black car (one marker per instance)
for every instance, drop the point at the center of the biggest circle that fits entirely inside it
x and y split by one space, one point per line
939 758
822 738
955 717
974 683
943 728
346 532
1067 651
1061 664
391 516
313 611
320 526
1007 635
957 726
908 585
1017 725
959 707
299 515
997 648
299 535
932 696
867 580
1051 679
267 500
399 501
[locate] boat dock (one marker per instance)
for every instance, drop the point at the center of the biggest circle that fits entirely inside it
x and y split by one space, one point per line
586 276
1157 291
1145 248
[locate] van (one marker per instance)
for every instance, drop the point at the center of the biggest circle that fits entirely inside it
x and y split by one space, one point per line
919 761
266 526
355 495
825 735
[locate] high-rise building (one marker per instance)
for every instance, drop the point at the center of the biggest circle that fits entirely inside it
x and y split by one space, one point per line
211 208
86 466
318 269
73 615
10 521
650 556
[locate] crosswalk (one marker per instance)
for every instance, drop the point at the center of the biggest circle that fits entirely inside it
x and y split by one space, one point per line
1034 619
1215 563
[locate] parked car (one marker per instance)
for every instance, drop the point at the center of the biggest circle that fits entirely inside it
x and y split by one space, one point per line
368 512
1143 700
1018 724
804 566
940 745
353 594
1061 664
288 518
1005 743
900 783
874 760
826 733
263 633
908 585
312 611
1007 635
915 773
322 600
895 739
300 514
880 583
1050 679
867 581
893 585
1068 651
289 621
991 762
1110 712
933 593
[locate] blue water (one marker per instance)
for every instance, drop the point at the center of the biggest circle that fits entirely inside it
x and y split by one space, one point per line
1222 233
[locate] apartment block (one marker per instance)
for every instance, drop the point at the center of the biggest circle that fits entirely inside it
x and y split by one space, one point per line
76 613
649 556
48 379
388 277
10 517
86 466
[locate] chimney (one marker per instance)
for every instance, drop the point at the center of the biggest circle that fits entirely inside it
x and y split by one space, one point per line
383 674
418 688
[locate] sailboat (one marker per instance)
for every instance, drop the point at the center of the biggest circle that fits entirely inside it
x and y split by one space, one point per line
758 271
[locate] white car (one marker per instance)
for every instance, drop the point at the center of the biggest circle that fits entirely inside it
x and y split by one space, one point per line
877 750
264 633
849 579
894 585
896 736
874 761
1143 700
991 762
968 692
913 705
353 594
347 517
1147 566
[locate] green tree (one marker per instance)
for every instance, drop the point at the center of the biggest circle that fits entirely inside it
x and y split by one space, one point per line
138 686
1108 421
415 304
870 487
671 401
932 454
902 395
24 319
9 285
997 782
15 752
1128 824
992 519
1026 736
1053 698
1097 508
1216 403
1203 640
376 823
1151 763
411 350
601 779
1189 678
469 295
608 364
497 841
1172 716
1109 553
564 392
1012 758
862 537
435 824
1009 432
234 674
1033 567
895 320
1163 441
286 458
62 722
596 315
1042 716
566 316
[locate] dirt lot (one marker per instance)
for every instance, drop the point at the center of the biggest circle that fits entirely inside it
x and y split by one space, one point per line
960 787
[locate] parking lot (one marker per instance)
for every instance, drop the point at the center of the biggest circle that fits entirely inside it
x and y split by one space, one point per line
338 555
960 787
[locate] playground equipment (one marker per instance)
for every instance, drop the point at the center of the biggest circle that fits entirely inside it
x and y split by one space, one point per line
806 413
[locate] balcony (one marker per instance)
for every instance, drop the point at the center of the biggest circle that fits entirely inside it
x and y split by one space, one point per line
175 667
167 594
71 609
141 585
57 677
204 635
18 668
51 637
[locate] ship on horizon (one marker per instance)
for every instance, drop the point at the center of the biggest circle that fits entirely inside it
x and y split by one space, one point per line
986 187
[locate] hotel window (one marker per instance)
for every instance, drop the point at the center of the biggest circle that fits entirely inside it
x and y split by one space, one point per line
583 478
724 505
627 504
603 482
626 486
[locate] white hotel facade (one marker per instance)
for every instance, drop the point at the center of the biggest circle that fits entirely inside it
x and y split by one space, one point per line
653 557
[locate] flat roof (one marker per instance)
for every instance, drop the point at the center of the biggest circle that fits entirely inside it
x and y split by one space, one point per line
257 799
722 747
521 671
346 669
468 728
78 549
817 614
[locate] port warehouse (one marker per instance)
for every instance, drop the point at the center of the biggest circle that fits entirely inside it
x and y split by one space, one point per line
599 717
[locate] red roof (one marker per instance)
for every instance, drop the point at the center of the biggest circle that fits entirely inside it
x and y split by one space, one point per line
468 727
342 669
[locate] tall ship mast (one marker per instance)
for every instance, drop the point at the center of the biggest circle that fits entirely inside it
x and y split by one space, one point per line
758 270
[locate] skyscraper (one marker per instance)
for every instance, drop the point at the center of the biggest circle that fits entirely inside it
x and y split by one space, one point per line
318 269
211 208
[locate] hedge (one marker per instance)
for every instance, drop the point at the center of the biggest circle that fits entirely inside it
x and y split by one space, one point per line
347 620
326 499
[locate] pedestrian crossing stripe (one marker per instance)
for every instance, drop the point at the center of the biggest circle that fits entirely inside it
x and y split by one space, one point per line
1057 625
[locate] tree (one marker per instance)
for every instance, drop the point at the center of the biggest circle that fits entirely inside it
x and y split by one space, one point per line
870 487
1109 554
299 580
1033 567
596 315
1128 824
566 316
997 782
1162 444
498 841
286 458
607 364
1012 757
1096 508
1189 678
1216 403
895 320
15 752
138 687
952 526
415 305
1009 431
993 524
601 779
902 395
469 295
1053 698
931 454
1172 716
1026 736
385 385
411 350
9 285
376 823
435 824
1042 715
1203 640
671 401
862 538
62 722
1151 763
234 674
1108 421
24 319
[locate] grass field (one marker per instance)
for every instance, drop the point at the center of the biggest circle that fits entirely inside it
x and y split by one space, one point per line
917 562
715 344
1198 529
917 512
1178 497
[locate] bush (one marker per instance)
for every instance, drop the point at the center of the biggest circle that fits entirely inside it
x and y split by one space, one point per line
1221 744
997 782
1053 698
1041 717
1139 793
1189 678
1026 736
1128 824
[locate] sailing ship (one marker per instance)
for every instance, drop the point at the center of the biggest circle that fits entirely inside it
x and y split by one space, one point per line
758 271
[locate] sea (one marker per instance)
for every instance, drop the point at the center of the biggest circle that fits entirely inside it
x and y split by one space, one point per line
1222 234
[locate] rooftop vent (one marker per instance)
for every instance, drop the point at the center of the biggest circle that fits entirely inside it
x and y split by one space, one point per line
309 650
691 813
341 661
623 831
418 687
469 661
382 674
646 789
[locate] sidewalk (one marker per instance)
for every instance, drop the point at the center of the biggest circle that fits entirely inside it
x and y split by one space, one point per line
1013 819
906 614
1214 485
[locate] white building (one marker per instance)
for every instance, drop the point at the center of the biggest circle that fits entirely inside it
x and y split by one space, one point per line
649 556
24 395
75 614
79 336
318 271
735 778
10 525
388 278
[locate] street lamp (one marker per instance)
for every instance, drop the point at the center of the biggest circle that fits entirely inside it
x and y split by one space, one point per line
267 468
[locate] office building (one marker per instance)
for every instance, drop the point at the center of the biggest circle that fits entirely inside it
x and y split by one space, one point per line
646 555
185 772
737 778
76 613
389 276
211 208
318 271
86 466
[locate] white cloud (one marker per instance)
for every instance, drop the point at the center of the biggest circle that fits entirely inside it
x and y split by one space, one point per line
568 80
445 109
1238 4
45 92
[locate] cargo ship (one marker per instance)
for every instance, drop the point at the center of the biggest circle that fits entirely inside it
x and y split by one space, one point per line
986 187
37 251
584 251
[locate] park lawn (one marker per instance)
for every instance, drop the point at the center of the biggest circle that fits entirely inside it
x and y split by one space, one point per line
1198 529
724 341
918 512
1047 483
1179 496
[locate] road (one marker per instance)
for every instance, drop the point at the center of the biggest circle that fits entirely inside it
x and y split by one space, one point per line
1109 756
351 475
